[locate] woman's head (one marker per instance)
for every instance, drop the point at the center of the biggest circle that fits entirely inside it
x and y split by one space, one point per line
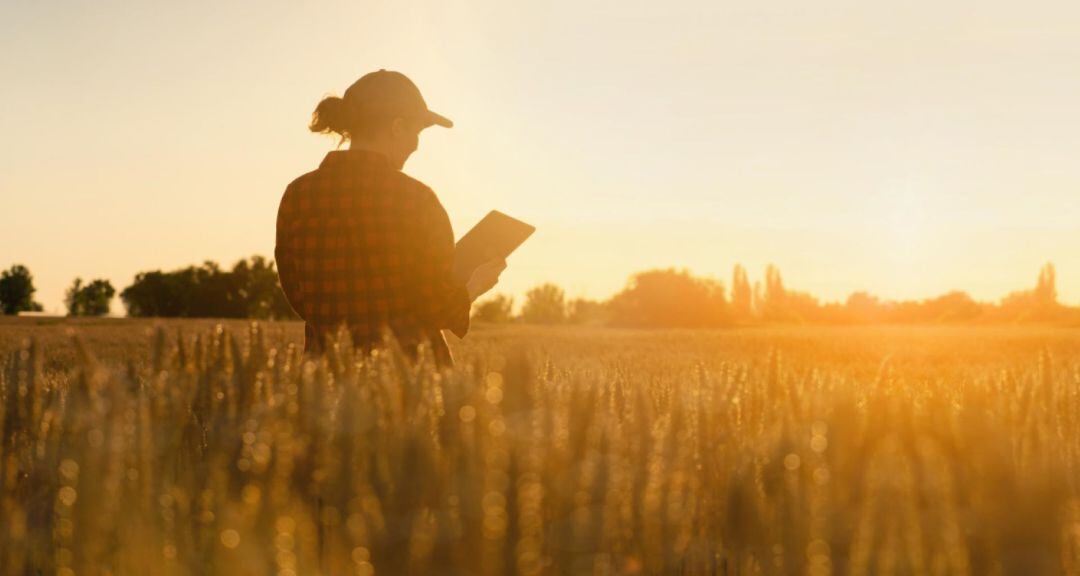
381 111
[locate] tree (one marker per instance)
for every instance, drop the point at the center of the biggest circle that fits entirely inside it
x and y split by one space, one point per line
1037 305
261 290
497 310
585 311
954 306
544 304
742 296
778 304
1046 289
90 300
773 305
670 299
160 294
17 291
249 290
864 308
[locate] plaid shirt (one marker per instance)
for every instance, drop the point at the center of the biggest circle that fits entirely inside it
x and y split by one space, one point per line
361 243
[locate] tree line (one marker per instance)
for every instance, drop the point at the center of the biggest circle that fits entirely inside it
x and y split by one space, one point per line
661 298
671 298
250 289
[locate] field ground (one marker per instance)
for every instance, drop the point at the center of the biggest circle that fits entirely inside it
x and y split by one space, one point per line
548 450
911 351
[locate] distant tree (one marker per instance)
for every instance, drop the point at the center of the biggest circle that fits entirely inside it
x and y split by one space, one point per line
864 308
218 294
249 290
1037 305
71 298
160 294
778 304
497 310
758 299
774 302
17 291
954 306
253 290
585 311
742 296
802 307
670 299
544 304
90 300
833 313
1046 289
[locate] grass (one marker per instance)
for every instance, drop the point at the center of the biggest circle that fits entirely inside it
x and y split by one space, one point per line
185 449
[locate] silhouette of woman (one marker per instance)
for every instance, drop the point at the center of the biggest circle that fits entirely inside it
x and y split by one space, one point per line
363 245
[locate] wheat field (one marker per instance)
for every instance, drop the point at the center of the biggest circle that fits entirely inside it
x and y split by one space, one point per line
189 448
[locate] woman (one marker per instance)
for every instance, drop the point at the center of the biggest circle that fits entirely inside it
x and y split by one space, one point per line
361 244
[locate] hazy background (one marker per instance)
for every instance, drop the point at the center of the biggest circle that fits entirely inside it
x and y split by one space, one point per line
906 149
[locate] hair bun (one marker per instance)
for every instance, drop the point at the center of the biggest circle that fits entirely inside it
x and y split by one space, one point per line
330 116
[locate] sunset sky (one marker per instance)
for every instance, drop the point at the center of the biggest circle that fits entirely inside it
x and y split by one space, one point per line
905 148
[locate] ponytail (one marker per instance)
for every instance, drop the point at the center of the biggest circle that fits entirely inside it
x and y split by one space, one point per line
332 116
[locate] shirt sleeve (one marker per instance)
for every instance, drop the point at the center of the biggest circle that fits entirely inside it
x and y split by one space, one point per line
443 299
283 254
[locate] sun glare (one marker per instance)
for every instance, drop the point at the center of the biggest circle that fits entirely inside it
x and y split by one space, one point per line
904 215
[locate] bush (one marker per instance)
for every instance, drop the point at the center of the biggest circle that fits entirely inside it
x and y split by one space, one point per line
496 310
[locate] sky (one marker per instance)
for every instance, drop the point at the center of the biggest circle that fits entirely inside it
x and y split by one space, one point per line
904 148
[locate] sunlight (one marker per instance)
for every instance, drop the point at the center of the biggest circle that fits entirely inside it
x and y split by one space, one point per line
904 214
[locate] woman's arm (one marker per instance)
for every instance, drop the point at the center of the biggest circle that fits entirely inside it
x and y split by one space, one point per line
283 256
443 300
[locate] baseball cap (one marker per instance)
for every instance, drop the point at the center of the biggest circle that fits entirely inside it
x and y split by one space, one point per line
385 94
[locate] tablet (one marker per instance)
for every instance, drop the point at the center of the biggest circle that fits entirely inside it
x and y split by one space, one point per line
496 235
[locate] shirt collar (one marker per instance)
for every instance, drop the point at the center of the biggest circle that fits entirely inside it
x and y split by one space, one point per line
354 158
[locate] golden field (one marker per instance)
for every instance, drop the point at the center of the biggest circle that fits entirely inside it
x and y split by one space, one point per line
135 447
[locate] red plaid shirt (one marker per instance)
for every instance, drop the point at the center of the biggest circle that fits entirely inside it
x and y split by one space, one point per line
361 243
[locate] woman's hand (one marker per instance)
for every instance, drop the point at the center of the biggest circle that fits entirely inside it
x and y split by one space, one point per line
485 277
